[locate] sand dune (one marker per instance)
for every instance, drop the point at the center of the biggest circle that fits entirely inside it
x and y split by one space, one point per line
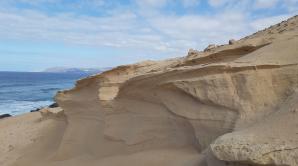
234 104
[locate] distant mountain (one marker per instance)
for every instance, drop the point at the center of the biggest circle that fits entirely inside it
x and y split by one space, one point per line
75 70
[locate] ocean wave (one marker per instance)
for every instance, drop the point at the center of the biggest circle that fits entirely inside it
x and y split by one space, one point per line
50 89
15 85
23 92
14 107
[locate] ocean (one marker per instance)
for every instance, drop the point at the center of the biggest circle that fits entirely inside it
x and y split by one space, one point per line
21 92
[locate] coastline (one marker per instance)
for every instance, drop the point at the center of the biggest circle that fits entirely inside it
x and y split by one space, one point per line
22 92
234 104
54 105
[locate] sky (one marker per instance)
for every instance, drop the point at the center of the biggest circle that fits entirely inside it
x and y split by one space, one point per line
39 34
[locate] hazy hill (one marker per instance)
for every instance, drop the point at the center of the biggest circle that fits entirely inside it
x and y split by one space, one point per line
75 70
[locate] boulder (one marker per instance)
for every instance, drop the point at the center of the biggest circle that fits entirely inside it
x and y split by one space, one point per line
192 52
232 41
35 110
54 105
52 112
210 47
4 116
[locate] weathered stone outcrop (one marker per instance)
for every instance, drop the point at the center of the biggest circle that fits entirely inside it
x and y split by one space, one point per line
234 104
241 89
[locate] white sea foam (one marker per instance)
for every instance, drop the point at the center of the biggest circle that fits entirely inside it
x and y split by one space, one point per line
21 92
18 107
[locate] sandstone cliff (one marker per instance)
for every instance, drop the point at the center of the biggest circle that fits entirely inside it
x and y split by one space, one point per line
234 104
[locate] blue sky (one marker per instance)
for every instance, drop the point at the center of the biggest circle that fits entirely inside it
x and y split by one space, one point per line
38 34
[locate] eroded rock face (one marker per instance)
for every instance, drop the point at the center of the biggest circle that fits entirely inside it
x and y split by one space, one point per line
231 105
195 101
273 141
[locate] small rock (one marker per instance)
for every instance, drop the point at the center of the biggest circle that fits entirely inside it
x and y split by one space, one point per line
192 52
232 41
52 112
4 116
36 110
54 105
210 47
10 148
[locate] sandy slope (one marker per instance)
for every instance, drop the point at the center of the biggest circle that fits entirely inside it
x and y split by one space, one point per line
229 105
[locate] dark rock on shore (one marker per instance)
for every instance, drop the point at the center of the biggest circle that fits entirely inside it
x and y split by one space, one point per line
36 110
4 116
54 105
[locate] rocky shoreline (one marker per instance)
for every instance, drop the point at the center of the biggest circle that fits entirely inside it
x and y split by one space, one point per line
54 105
5 116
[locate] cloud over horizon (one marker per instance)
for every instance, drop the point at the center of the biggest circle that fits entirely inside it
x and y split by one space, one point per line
166 28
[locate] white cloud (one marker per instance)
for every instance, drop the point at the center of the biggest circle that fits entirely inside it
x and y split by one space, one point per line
118 30
291 5
76 4
190 3
161 33
157 4
199 31
217 3
263 23
35 2
94 4
151 3
170 34
260 4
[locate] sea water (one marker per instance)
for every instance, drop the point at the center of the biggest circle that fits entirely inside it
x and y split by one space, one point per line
21 92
